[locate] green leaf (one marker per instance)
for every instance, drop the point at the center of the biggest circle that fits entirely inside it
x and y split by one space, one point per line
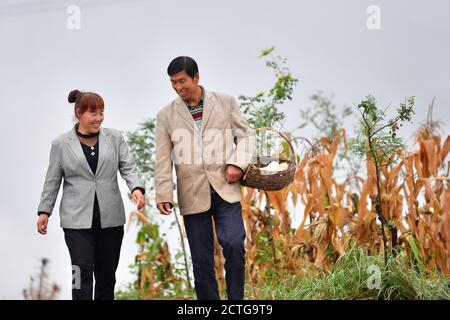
266 52
415 249
286 148
140 237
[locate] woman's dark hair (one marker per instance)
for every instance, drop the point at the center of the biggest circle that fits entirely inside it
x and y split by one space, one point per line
183 63
85 101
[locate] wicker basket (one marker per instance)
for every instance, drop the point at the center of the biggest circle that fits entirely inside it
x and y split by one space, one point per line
254 178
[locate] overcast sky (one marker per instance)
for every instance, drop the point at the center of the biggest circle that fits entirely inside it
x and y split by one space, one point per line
122 50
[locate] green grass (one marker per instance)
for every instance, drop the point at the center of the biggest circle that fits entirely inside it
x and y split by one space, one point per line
350 279
353 278
130 293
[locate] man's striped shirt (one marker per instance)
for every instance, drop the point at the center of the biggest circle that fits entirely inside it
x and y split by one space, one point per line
197 111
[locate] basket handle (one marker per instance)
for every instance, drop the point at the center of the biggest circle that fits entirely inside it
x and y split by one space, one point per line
281 134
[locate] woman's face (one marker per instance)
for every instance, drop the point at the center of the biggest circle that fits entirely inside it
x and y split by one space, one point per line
91 121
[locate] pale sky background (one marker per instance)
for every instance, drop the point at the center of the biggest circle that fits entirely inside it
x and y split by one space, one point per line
122 51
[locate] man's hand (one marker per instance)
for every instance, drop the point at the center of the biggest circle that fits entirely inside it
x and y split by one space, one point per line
164 208
42 223
233 173
139 199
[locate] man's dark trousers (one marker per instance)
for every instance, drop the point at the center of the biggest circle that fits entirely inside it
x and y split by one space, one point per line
231 236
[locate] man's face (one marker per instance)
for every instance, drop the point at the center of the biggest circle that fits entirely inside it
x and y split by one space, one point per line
184 85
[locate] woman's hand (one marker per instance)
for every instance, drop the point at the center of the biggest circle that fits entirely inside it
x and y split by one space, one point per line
42 223
139 199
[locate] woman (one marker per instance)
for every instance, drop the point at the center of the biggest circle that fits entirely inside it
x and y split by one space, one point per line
91 210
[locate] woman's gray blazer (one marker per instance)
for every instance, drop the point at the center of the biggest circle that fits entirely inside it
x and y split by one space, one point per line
68 162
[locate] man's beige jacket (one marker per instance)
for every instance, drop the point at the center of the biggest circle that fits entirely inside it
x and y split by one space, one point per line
201 155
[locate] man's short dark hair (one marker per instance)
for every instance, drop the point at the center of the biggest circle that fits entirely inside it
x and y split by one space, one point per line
183 63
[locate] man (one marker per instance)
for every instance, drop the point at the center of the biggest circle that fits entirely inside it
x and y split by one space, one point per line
197 133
